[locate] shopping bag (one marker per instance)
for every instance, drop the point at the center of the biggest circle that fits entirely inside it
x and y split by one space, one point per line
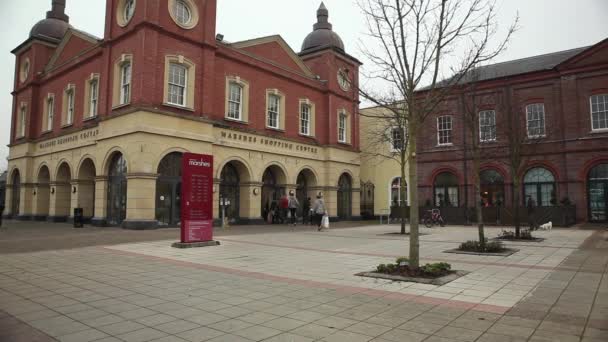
325 222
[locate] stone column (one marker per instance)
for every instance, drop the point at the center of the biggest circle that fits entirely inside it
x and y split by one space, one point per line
216 202
25 202
41 201
356 204
84 197
141 204
100 214
60 204
8 201
330 195
251 203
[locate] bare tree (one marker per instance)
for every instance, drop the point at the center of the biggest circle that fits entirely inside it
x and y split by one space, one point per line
387 138
413 42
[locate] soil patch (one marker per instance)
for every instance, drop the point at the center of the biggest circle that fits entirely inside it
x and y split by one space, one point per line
449 276
514 239
504 252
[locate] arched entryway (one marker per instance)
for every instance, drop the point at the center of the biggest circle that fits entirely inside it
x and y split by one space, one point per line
169 190
117 189
597 193
273 188
492 188
234 190
15 193
43 193
446 190
86 188
62 192
345 196
367 194
540 187
306 184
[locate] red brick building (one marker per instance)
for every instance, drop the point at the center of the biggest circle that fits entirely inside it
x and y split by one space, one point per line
559 104
101 123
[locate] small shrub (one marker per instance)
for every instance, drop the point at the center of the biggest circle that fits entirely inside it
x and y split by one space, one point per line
402 260
488 247
436 268
524 234
381 268
391 268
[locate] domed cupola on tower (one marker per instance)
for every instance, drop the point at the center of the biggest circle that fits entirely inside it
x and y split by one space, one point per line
322 36
55 25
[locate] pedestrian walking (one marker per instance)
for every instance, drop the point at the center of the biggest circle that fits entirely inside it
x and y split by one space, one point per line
293 207
283 208
306 214
319 211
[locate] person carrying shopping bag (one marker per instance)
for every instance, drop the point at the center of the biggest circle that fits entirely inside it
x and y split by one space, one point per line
293 207
319 211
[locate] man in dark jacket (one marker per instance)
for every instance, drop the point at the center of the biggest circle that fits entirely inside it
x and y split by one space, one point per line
284 207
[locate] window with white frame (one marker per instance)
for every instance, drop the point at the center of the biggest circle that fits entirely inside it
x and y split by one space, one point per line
69 110
305 119
125 82
178 75
182 12
22 121
444 130
487 126
50 112
342 127
93 97
599 112
128 10
274 105
397 139
535 120
235 101
395 192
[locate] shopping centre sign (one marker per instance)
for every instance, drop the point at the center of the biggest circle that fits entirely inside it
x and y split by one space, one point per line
197 198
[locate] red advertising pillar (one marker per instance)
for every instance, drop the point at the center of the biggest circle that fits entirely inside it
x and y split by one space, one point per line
197 201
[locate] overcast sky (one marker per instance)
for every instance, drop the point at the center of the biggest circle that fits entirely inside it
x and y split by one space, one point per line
546 26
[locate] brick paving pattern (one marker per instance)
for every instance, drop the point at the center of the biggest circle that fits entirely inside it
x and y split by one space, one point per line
285 285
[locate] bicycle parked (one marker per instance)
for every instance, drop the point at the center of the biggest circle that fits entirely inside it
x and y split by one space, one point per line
433 217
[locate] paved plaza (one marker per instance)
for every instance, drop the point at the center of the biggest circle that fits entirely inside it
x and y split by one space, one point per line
283 284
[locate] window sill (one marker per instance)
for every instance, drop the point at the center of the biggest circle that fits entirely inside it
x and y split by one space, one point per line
306 135
67 125
533 137
89 118
488 141
121 105
445 145
344 143
172 105
599 131
48 131
275 129
236 120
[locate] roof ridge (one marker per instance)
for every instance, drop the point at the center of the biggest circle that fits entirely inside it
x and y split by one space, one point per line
537 56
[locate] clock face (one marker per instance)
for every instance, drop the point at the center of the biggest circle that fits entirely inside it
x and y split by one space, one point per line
343 80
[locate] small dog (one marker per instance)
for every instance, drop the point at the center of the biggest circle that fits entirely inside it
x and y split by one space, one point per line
546 226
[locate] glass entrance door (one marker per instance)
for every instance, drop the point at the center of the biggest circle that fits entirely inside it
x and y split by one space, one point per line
117 190
598 201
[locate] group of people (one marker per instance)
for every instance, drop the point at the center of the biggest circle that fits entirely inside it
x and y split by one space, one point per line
287 210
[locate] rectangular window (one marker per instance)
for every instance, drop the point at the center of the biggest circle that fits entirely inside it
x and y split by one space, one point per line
487 126
444 130
125 83
69 118
50 113
235 101
22 114
397 139
94 97
342 127
535 116
304 119
274 103
599 112
177 84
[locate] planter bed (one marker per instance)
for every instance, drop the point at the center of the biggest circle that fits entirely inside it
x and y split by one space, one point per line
442 280
506 252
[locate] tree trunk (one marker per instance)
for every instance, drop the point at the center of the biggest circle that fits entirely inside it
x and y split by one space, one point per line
402 194
516 206
413 188
477 194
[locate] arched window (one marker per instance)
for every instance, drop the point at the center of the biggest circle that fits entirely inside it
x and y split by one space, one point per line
598 193
345 187
446 190
395 193
492 188
117 190
539 187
